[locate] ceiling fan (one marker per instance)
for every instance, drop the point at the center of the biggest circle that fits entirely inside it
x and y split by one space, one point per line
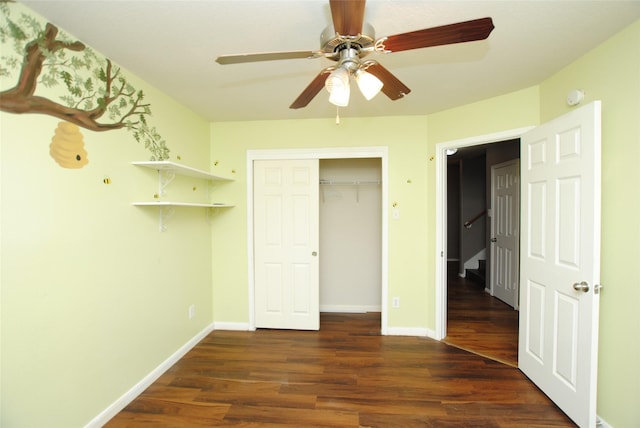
350 40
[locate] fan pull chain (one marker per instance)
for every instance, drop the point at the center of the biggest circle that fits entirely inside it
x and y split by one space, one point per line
337 115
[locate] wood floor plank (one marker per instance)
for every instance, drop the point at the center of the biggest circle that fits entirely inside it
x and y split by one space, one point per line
256 394
150 411
365 405
301 417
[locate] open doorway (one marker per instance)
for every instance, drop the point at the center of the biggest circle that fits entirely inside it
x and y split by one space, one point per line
472 318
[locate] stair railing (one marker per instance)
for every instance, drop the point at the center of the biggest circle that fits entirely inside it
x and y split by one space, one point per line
469 223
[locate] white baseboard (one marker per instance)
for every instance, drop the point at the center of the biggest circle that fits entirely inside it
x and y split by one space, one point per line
474 261
122 402
411 331
601 423
350 309
234 326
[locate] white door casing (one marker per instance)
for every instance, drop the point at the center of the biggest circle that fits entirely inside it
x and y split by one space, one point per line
286 209
505 232
381 152
560 260
441 215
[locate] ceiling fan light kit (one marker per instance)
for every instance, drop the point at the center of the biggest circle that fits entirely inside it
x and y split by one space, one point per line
350 39
338 86
369 84
338 82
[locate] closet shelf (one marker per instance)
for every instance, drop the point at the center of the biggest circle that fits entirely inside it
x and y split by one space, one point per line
356 183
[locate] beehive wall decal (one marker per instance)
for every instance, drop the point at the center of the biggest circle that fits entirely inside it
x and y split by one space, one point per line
67 146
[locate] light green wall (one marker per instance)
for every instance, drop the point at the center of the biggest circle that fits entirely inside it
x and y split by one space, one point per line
510 111
611 73
93 296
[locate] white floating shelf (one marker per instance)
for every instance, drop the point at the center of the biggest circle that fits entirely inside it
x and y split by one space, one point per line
179 169
180 204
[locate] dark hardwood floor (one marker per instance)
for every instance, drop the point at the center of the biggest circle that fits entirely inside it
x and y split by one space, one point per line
480 323
345 375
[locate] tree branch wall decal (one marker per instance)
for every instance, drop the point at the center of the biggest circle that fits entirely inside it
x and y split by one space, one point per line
96 95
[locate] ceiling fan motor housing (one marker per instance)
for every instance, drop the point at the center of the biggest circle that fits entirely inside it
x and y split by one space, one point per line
332 43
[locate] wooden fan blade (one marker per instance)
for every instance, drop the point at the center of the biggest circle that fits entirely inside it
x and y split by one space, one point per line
393 88
266 56
348 16
460 32
312 90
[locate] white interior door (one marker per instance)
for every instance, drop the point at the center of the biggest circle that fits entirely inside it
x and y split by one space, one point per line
560 260
286 235
505 231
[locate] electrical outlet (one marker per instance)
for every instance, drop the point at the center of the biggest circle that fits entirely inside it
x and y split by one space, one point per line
395 302
192 311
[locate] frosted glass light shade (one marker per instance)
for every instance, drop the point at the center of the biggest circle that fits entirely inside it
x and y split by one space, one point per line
338 86
340 96
369 84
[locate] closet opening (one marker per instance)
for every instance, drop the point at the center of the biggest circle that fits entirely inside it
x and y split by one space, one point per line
351 236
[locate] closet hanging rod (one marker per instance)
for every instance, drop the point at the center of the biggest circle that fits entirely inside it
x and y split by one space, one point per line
348 183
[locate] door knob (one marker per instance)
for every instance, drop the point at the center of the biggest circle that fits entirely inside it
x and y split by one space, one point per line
315 253
581 286
494 239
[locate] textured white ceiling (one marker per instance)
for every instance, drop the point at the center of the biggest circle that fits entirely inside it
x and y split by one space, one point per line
173 45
